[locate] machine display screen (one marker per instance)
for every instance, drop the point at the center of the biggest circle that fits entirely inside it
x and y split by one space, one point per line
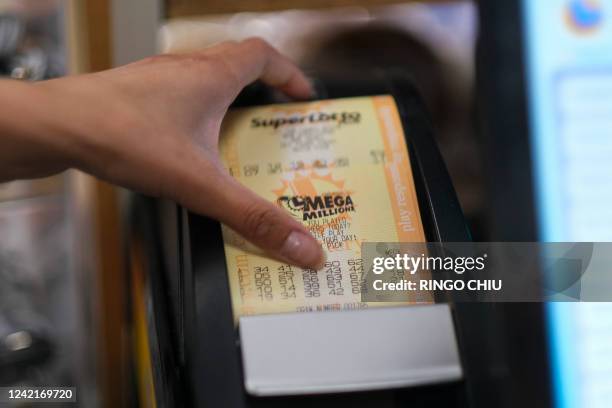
568 46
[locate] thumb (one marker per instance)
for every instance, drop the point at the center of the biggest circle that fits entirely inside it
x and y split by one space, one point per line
263 223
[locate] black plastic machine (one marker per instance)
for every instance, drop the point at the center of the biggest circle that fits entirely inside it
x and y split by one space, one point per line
191 353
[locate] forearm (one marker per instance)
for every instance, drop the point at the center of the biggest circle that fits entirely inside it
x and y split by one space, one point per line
30 133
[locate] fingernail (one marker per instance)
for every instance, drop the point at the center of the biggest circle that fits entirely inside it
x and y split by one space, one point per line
312 84
303 250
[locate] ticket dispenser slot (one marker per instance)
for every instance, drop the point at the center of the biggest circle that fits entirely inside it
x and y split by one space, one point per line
357 357
387 348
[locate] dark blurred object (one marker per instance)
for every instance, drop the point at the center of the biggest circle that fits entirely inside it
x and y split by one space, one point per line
30 65
11 32
514 369
382 46
21 352
17 61
31 44
379 46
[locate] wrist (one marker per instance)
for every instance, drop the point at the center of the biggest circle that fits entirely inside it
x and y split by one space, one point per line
63 117
86 116
30 143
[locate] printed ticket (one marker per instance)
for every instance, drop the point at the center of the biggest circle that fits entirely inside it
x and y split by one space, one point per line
339 166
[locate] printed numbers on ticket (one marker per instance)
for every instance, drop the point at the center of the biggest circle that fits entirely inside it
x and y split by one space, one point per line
339 166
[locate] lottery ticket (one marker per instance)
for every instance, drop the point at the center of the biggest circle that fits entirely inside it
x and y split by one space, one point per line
339 166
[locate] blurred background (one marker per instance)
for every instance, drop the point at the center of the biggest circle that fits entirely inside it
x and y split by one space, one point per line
64 316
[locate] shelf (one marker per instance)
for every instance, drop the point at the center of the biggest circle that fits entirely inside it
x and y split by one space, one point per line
191 8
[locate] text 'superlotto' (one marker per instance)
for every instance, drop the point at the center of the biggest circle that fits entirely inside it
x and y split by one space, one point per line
340 167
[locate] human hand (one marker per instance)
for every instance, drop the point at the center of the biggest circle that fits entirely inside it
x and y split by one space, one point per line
153 126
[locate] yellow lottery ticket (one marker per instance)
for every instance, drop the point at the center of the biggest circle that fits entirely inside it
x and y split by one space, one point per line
339 166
